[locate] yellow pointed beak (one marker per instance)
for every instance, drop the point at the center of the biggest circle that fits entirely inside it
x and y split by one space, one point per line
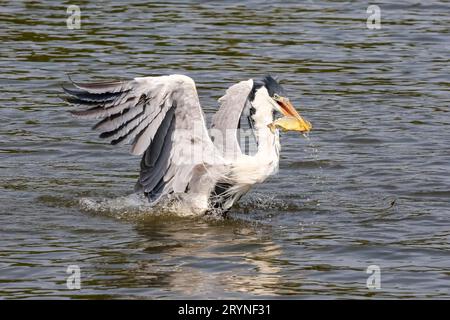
288 110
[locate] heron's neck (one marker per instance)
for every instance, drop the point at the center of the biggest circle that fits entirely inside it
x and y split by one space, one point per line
268 142
249 170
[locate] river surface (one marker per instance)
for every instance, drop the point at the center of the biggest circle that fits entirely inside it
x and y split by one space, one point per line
369 187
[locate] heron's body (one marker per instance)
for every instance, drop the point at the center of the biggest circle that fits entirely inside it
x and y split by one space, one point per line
162 119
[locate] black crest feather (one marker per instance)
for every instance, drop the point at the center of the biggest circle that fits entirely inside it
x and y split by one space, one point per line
271 84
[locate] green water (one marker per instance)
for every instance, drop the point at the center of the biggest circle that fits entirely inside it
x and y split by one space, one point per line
371 185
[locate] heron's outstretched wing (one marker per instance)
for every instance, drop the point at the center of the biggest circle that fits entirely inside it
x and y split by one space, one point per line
162 119
234 106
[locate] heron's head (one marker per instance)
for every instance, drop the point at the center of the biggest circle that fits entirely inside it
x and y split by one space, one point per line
268 93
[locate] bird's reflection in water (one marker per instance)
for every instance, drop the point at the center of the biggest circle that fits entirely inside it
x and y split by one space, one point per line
198 258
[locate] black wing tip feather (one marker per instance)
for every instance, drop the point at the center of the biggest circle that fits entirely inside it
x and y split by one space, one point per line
73 100
105 85
71 92
75 93
87 96
95 91
65 89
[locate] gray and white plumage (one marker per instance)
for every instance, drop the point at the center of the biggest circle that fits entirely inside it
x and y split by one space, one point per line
162 119
232 105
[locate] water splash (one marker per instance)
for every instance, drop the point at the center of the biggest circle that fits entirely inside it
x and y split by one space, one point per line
134 207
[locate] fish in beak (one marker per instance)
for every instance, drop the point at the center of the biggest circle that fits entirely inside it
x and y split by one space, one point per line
292 121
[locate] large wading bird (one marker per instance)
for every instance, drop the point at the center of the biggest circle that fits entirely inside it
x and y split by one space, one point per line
162 119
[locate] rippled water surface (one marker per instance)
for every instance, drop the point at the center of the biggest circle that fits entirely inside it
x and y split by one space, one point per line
371 186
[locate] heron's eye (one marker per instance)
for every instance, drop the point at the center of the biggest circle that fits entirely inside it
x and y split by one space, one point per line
276 97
